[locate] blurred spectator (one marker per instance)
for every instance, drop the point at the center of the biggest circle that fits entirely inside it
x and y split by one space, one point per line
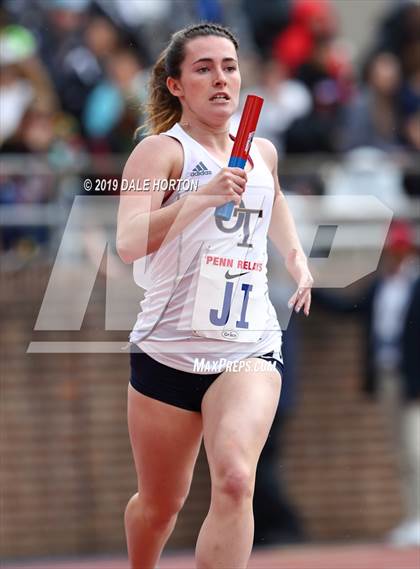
411 131
104 33
285 100
391 311
35 185
397 79
266 20
182 13
31 123
400 35
276 518
372 119
146 23
54 139
73 67
311 21
23 79
31 118
410 110
308 48
112 110
101 37
317 130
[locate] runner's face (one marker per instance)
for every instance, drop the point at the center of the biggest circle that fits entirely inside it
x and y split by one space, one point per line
210 67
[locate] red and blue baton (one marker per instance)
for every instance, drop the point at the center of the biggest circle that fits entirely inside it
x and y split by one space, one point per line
242 145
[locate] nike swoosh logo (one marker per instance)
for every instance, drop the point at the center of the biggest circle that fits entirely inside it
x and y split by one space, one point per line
229 276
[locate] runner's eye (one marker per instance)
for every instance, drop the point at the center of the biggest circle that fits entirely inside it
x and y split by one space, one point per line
202 69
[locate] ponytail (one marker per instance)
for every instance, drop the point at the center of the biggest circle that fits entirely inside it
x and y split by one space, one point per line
163 109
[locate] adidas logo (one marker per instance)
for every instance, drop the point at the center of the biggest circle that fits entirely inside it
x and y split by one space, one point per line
200 170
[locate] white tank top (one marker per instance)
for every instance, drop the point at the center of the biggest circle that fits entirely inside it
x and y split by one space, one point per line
206 290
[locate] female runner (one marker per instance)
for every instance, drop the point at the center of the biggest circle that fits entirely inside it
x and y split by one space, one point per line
206 359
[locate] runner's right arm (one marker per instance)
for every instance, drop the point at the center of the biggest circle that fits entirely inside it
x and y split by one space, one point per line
143 225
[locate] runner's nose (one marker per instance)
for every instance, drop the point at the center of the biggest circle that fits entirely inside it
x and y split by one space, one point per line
219 79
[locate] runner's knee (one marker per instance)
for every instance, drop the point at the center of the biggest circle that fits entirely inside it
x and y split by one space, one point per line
234 482
157 512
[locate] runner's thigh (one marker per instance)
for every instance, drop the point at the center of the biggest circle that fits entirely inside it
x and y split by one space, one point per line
165 441
238 410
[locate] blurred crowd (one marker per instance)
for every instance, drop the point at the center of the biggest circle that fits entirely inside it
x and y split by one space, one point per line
74 77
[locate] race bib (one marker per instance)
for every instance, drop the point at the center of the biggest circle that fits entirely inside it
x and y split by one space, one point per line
230 302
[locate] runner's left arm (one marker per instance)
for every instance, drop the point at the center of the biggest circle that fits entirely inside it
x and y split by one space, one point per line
282 232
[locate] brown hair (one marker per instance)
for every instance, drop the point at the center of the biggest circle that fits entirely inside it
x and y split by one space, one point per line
164 109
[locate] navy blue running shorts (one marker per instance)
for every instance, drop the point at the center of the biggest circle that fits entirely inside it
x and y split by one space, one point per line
179 388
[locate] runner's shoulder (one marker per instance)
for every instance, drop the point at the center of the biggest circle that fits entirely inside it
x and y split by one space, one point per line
159 149
158 145
268 151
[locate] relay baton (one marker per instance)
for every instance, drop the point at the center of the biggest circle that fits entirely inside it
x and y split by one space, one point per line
242 145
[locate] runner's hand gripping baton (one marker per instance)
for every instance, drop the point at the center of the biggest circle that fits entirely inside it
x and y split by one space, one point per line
242 145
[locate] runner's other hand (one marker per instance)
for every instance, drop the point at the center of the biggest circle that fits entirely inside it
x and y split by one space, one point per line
297 266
